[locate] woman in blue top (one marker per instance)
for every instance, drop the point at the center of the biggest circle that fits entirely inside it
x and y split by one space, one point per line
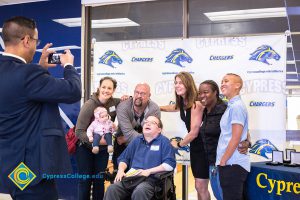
233 166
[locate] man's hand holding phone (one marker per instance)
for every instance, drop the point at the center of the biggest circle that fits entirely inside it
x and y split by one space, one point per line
67 58
50 58
45 56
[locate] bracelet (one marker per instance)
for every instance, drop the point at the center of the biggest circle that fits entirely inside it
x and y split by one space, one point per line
178 144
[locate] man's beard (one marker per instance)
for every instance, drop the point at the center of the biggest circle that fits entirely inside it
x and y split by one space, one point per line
138 102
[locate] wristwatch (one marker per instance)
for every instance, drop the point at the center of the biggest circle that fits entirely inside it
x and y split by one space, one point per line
250 145
178 144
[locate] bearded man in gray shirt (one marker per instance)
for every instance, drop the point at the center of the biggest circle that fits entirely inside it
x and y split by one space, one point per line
131 114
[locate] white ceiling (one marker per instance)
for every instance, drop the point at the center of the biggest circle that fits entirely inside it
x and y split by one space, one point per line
11 2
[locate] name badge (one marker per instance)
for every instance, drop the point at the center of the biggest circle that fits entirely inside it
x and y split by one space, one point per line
154 148
112 109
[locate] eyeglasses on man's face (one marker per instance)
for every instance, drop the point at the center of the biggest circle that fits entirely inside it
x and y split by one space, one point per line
137 93
151 122
38 42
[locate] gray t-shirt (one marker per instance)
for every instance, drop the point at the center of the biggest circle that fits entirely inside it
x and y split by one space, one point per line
127 121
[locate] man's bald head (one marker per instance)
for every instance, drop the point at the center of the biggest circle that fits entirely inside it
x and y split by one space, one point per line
141 95
237 79
145 87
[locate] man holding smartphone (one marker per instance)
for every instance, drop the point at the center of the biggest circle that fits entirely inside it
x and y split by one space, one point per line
31 131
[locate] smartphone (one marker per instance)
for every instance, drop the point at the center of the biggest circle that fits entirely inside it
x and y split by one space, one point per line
54 58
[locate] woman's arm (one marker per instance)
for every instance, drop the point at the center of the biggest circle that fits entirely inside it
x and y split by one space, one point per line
89 131
196 121
84 118
168 108
237 130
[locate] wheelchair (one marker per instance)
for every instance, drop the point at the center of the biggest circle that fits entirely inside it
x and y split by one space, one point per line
164 185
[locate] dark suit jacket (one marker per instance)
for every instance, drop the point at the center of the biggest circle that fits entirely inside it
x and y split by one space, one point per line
30 125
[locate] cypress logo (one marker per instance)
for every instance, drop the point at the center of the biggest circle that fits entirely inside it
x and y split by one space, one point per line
22 176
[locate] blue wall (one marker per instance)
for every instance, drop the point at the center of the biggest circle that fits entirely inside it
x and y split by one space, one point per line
59 35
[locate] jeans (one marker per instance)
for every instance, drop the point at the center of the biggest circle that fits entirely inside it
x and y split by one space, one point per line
118 149
215 182
91 164
97 138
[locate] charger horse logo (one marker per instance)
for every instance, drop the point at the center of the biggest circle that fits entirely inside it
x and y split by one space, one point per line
109 58
261 147
263 53
177 56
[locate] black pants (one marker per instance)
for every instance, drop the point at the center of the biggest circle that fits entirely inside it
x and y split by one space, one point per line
45 190
91 164
232 180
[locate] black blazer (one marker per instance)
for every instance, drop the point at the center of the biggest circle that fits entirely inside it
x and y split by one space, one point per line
30 125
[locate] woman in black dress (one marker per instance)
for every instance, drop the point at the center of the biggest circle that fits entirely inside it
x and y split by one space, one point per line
191 112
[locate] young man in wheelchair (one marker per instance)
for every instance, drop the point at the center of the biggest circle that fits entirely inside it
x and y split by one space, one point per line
148 154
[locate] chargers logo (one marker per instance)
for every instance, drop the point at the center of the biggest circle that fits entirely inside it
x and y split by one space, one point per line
263 53
140 59
261 104
177 56
109 58
185 148
261 147
214 57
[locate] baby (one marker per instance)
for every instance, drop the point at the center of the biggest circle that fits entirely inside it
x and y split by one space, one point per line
101 126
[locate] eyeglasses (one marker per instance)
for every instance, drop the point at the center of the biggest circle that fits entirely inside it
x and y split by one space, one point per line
151 122
142 94
38 42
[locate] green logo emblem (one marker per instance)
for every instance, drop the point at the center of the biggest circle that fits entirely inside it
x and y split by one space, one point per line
22 176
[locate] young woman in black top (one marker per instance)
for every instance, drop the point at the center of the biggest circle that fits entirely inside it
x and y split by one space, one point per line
210 128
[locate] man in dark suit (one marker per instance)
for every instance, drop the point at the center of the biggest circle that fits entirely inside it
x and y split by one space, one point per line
30 125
